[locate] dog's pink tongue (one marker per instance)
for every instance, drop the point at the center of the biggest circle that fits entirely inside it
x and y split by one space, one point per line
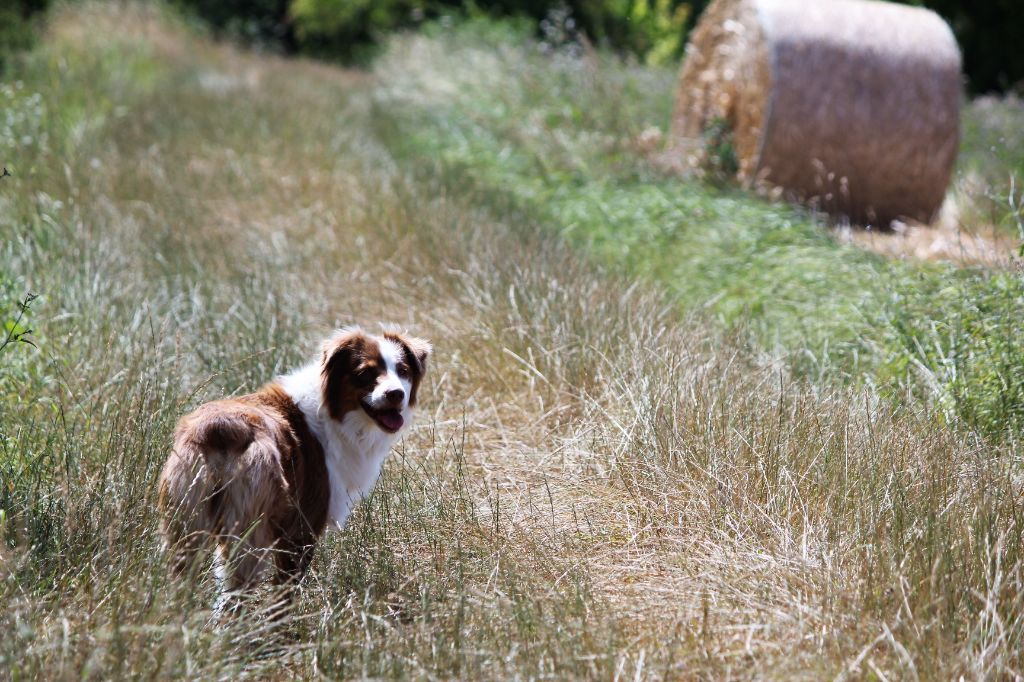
391 420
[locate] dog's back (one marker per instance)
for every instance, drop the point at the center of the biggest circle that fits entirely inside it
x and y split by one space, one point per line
240 477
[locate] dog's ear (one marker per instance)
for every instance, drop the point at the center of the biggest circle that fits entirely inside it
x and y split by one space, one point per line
420 350
339 356
416 351
337 351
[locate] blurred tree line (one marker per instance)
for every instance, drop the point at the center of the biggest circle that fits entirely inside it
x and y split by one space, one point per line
348 29
16 24
652 30
991 37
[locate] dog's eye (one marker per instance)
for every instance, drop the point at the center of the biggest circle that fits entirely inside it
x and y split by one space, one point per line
364 377
402 370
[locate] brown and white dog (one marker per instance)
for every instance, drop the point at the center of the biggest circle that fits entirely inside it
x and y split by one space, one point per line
261 476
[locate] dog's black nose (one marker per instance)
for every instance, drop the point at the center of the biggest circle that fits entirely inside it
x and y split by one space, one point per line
395 396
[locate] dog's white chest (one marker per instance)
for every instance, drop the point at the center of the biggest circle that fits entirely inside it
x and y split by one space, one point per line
355 454
354 450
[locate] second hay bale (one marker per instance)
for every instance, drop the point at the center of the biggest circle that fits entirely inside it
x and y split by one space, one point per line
850 105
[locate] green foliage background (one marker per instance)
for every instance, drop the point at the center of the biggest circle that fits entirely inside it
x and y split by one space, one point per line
16 25
652 30
989 33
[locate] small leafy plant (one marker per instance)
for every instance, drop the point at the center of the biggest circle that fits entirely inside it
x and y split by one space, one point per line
720 164
15 330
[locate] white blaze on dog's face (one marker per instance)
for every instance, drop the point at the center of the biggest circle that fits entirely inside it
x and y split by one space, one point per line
388 402
373 376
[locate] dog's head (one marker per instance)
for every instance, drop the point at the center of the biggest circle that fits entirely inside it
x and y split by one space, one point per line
374 375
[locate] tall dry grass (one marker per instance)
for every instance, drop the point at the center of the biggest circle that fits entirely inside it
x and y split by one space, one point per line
597 487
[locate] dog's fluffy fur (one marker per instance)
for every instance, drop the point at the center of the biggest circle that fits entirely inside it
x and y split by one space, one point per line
260 477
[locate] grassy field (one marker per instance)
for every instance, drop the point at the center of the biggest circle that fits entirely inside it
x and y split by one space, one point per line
671 431
557 139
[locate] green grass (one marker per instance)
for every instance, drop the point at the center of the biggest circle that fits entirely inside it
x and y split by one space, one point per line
991 169
611 475
492 117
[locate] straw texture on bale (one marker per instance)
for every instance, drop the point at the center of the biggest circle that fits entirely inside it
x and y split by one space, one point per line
852 106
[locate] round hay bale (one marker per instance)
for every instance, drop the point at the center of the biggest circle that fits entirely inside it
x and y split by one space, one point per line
852 106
